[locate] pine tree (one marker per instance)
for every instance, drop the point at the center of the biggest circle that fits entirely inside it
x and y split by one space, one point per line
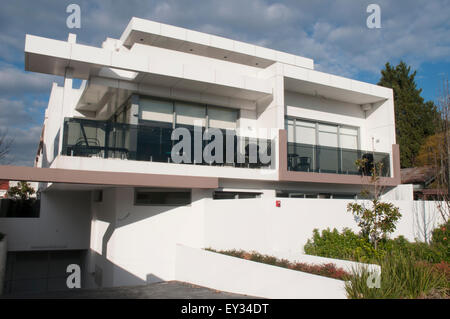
414 118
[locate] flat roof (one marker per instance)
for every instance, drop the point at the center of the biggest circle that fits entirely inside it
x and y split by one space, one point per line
194 42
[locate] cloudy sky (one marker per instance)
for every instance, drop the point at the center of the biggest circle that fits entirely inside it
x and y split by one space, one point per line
333 33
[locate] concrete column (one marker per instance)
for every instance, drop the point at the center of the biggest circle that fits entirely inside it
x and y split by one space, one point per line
66 105
133 120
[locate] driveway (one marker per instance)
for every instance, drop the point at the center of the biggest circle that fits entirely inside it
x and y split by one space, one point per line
162 290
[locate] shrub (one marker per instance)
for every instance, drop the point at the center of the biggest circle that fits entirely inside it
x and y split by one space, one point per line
346 245
401 277
350 246
439 241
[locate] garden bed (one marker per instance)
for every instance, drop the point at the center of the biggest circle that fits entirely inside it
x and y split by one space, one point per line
409 269
327 270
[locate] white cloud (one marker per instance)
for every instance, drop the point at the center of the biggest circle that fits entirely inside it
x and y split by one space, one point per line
14 81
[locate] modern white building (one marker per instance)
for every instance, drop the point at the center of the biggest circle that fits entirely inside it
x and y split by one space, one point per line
110 187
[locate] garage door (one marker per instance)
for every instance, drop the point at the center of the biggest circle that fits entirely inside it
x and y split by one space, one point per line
39 271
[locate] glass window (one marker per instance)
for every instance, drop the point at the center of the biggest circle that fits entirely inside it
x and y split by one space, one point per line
220 117
348 141
348 137
162 197
156 110
305 134
316 133
290 128
187 113
235 195
328 139
328 135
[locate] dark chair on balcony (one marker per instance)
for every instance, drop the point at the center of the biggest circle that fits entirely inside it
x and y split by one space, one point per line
88 147
304 164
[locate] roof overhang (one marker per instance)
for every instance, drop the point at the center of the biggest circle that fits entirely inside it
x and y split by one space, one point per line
130 71
333 87
185 40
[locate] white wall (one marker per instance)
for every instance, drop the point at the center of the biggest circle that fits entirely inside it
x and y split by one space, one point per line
256 224
119 165
246 277
136 244
400 192
64 223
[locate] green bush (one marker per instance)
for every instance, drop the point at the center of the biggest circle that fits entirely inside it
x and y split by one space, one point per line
350 246
440 235
346 245
401 277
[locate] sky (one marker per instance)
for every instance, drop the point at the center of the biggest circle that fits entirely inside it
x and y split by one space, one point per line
333 33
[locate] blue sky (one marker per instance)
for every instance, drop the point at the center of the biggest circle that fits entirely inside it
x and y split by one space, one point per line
333 33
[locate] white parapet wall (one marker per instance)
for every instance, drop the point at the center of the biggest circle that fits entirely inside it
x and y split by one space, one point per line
236 275
257 224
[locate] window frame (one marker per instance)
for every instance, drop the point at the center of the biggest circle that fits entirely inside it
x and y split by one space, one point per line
317 123
162 190
174 116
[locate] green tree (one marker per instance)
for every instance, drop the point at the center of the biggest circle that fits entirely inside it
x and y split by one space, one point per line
23 191
377 219
414 118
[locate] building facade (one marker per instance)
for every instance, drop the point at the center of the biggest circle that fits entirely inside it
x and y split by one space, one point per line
107 157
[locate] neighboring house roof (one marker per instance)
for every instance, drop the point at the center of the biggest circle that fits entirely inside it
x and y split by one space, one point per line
418 175
4 184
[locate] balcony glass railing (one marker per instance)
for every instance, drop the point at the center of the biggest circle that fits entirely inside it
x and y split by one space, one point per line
323 159
150 142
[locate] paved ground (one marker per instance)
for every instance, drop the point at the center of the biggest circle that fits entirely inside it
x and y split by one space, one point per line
163 290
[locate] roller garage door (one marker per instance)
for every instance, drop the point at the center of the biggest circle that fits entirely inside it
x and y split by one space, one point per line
39 271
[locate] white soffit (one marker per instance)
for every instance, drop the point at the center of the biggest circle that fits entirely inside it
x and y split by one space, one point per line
333 87
194 42
53 57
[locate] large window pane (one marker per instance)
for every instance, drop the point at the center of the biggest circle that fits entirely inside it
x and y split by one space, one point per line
187 114
328 135
348 141
162 197
224 118
328 139
156 110
349 131
290 128
328 128
305 135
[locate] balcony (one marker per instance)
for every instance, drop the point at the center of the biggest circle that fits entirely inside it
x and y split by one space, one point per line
151 142
322 159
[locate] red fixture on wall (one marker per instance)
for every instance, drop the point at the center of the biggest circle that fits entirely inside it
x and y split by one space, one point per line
278 203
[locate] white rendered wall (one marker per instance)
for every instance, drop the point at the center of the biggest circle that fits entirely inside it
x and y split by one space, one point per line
400 192
136 244
118 165
246 277
64 223
256 224
54 115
